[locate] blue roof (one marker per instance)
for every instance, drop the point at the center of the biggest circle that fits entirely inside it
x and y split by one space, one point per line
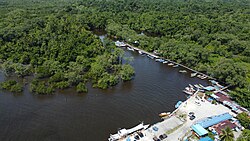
199 129
206 139
214 120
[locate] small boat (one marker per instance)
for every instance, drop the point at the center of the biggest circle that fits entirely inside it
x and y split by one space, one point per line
140 52
191 86
197 86
151 57
188 92
178 104
164 114
120 44
201 86
159 60
175 66
124 132
193 74
170 64
182 71
165 62
203 77
131 49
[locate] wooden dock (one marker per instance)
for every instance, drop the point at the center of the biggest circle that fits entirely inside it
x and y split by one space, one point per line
155 56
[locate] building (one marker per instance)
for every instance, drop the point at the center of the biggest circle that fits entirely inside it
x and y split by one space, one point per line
222 125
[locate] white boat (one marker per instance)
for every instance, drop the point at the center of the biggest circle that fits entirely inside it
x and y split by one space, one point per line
193 74
197 86
159 60
131 49
182 71
203 77
191 86
188 92
124 132
170 64
151 57
120 44
140 52
201 86
175 66
165 62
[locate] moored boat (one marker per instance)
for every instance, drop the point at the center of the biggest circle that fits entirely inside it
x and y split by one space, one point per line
131 49
175 66
164 114
159 60
182 71
193 74
120 44
124 132
188 92
141 52
151 57
165 62
170 64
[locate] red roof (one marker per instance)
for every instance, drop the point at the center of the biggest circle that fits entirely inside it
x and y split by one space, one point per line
222 125
223 97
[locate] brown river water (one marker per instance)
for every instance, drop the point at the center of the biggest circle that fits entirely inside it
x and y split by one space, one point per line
68 116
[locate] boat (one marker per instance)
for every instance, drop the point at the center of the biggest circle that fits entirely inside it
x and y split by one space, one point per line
201 86
141 52
124 132
170 64
151 57
182 71
191 86
120 44
131 49
165 62
164 114
159 60
203 77
178 104
197 86
188 92
193 74
175 66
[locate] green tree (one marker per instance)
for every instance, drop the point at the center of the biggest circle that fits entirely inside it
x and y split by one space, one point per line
127 72
227 135
245 135
244 119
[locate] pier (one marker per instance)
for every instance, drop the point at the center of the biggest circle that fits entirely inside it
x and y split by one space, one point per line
155 56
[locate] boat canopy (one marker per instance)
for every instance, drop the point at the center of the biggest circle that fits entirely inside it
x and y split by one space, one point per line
178 104
136 128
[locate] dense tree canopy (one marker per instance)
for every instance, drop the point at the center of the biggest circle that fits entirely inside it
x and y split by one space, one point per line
52 38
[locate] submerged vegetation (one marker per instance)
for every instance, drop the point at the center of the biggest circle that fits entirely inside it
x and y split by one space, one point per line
52 39
56 47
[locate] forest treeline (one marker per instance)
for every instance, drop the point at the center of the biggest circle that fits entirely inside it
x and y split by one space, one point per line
210 36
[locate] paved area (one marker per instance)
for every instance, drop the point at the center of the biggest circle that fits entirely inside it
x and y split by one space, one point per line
201 109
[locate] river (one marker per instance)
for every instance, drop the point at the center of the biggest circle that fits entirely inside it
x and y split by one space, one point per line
68 116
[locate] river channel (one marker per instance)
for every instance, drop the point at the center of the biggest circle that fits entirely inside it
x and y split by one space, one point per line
68 116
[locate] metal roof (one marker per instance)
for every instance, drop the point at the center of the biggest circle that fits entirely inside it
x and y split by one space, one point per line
206 139
214 120
199 129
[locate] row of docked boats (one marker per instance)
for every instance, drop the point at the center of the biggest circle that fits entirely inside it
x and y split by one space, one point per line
122 134
191 89
157 59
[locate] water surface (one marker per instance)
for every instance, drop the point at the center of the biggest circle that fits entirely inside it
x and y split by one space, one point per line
68 116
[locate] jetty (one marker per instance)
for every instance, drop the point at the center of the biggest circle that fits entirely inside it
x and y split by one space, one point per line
170 61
